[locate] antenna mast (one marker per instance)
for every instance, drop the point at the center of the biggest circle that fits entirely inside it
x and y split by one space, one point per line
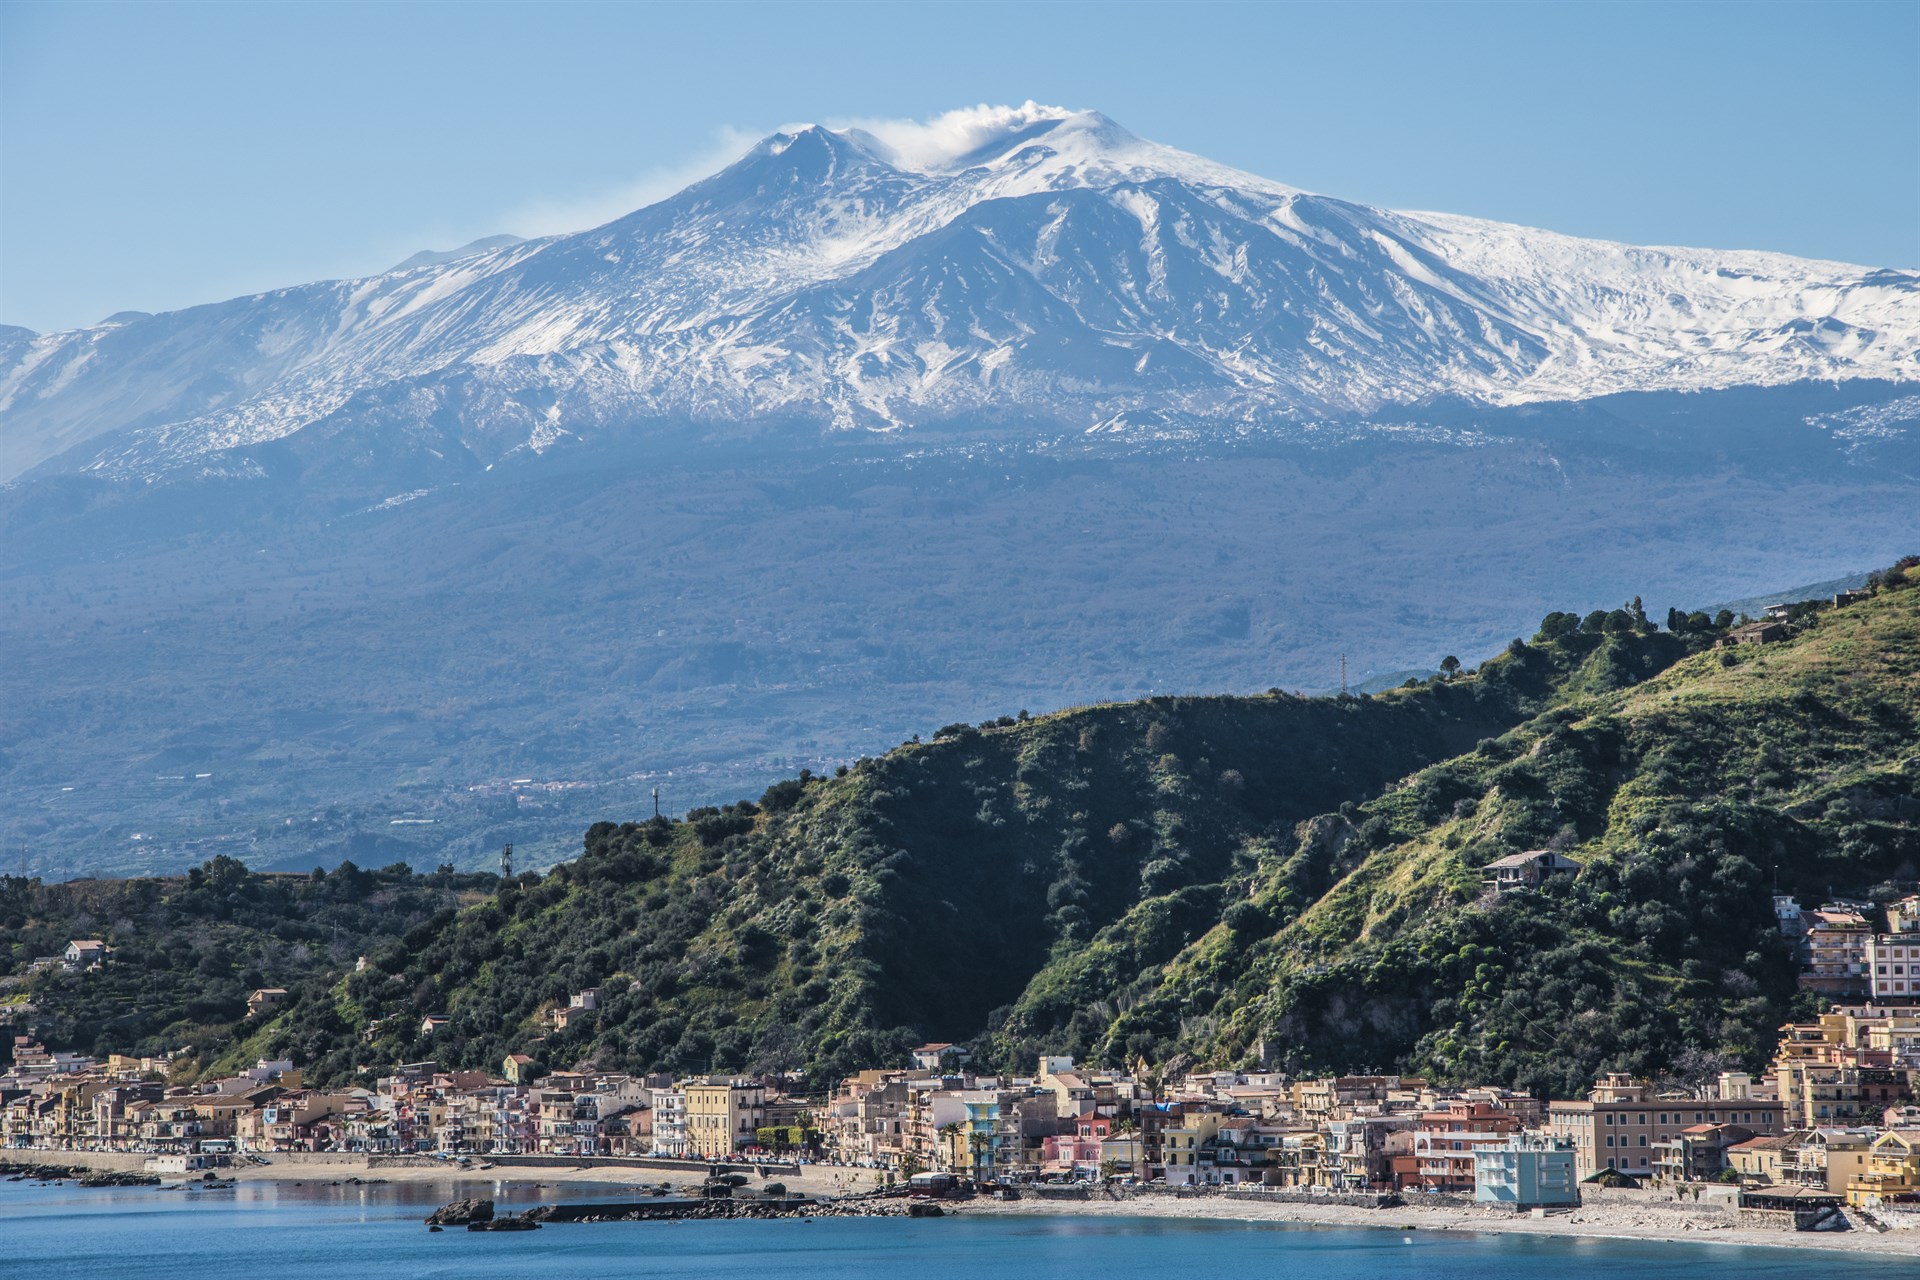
1343 675
506 862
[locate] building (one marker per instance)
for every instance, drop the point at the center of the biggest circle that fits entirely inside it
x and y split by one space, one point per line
1893 962
670 1122
723 1114
1524 870
1698 1153
1181 1142
1358 1149
1836 951
520 1068
1892 1171
1616 1127
84 953
1525 1172
1831 1159
1756 633
1765 1162
265 999
1445 1139
1848 1067
936 1057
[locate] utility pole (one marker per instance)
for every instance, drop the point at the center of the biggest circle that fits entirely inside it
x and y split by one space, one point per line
506 862
656 802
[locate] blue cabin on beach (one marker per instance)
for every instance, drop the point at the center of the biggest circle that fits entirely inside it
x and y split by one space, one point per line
1526 1173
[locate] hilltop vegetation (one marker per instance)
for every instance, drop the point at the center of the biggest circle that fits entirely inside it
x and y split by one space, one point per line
1279 878
187 950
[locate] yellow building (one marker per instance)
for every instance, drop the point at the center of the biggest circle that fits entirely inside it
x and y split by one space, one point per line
1763 1162
722 1115
1892 1169
1180 1145
1841 1070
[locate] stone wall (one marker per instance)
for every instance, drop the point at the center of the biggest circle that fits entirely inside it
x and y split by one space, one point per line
1825 1218
1352 1199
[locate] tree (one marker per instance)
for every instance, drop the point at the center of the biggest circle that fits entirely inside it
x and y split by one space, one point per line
950 1143
1450 666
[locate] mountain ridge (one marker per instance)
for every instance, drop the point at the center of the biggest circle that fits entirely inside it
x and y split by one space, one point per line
1049 264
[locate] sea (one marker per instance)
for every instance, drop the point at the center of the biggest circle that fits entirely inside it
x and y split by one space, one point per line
320 1231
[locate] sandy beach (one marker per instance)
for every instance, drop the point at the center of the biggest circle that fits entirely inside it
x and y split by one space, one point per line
1603 1222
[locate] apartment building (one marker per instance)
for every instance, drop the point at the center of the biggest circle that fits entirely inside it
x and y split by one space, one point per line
1621 1119
1848 1066
1835 946
1445 1139
722 1115
1893 961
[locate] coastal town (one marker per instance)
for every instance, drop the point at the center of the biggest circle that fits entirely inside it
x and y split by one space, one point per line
1828 1138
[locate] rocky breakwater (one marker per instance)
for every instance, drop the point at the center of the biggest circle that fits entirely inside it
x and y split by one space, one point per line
14 1171
462 1213
119 1178
478 1215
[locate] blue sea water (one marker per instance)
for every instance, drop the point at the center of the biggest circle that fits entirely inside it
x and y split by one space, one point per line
320 1232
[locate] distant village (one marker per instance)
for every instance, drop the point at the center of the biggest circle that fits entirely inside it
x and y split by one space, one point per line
1832 1126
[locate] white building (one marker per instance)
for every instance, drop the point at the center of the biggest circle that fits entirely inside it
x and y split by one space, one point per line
1893 960
670 1122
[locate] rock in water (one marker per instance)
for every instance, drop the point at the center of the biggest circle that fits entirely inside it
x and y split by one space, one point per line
116 1178
503 1224
461 1212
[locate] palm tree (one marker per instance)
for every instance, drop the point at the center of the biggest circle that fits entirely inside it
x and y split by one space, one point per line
977 1145
951 1134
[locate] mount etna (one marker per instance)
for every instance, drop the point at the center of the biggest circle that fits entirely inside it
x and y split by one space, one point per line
873 430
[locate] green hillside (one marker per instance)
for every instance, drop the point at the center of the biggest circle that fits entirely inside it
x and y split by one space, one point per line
1278 878
1688 799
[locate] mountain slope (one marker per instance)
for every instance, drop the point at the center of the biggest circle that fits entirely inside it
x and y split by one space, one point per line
1274 878
1688 799
1150 878
1050 269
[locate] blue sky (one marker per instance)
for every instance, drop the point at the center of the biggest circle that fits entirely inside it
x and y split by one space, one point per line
157 155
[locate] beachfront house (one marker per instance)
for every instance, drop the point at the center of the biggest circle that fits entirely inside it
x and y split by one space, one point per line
1526 1172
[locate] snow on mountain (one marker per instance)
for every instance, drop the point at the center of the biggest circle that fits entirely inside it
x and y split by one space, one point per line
1025 264
433 257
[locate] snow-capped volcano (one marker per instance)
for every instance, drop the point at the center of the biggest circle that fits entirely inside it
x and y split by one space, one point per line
1024 264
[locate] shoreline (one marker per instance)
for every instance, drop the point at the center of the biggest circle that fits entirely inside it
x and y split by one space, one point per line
1592 1222
1654 1222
